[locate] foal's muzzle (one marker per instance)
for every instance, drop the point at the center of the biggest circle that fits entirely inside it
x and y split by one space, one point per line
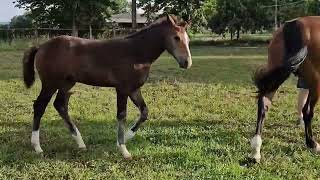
185 63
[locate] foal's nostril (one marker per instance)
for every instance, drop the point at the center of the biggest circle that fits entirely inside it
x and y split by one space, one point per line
185 64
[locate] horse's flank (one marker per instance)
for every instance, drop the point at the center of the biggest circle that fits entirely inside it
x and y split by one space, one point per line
99 63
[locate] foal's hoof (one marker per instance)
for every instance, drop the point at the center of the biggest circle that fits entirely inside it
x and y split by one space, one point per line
300 123
254 158
83 148
129 158
317 148
123 150
37 149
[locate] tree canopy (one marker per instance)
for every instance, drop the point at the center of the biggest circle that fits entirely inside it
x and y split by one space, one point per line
61 13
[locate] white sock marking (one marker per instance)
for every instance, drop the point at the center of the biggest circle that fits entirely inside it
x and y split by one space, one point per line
35 141
317 148
256 143
79 139
129 135
123 149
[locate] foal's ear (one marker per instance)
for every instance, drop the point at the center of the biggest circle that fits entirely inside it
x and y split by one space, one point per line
170 19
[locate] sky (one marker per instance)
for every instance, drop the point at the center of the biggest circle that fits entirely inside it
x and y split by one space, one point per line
7 10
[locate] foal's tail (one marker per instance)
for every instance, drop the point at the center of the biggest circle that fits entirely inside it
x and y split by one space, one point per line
28 66
295 53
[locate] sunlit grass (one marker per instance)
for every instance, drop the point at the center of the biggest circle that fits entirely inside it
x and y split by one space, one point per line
200 124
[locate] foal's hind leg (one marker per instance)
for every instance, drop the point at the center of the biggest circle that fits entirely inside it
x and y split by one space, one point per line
308 112
122 100
138 100
264 103
39 107
61 105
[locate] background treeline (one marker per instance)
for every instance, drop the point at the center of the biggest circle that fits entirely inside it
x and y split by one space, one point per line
223 17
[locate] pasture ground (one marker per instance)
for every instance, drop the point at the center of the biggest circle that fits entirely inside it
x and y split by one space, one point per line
200 124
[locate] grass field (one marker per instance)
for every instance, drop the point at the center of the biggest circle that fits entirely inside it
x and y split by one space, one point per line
200 124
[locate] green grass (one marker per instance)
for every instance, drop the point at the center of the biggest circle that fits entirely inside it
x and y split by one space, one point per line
200 124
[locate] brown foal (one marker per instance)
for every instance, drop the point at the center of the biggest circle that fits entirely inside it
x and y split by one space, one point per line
121 63
294 48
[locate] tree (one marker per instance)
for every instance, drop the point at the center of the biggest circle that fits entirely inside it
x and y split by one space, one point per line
313 7
187 9
234 16
134 13
69 13
21 21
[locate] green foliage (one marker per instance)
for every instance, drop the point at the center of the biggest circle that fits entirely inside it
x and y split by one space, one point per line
313 7
235 16
59 13
200 124
186 9
21 21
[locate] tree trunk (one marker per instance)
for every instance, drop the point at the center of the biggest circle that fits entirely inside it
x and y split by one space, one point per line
231 34
238 33
74 25
134 13
90 31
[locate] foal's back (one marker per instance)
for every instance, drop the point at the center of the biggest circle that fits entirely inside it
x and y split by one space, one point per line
80 60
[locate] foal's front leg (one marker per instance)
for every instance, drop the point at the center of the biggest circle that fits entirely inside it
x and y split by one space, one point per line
138 100
121 116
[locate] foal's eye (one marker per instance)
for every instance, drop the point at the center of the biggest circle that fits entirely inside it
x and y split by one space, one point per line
177 38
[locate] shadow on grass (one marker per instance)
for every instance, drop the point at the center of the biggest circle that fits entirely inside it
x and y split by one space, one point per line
100 138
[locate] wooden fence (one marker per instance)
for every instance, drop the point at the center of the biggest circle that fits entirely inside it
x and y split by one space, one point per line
9 35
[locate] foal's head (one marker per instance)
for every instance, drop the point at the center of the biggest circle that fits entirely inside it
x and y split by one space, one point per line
177 42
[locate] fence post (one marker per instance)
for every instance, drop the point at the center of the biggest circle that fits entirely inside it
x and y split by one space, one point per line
36 36
10 35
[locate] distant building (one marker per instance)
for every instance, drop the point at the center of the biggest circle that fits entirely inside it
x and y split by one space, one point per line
124 20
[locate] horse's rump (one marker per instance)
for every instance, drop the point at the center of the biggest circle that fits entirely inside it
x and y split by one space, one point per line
287 51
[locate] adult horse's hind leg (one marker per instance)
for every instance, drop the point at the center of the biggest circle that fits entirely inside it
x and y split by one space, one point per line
61 105
138 100
264 104
39 107
122 100
308 111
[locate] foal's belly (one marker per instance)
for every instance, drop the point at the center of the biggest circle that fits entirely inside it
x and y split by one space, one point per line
97 78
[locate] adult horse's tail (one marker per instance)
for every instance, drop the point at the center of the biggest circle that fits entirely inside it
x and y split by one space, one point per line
28 66
295 53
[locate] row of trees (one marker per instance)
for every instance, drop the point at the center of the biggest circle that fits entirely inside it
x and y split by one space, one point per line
73 14
233 16
221 16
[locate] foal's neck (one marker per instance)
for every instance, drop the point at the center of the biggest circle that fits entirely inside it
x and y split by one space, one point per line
147 45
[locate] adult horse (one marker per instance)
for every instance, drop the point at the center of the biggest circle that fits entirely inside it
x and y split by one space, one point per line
294 48
121 63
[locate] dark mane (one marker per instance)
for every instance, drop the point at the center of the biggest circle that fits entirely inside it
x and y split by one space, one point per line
155 24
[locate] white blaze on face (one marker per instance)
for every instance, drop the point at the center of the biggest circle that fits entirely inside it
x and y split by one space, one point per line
186 39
